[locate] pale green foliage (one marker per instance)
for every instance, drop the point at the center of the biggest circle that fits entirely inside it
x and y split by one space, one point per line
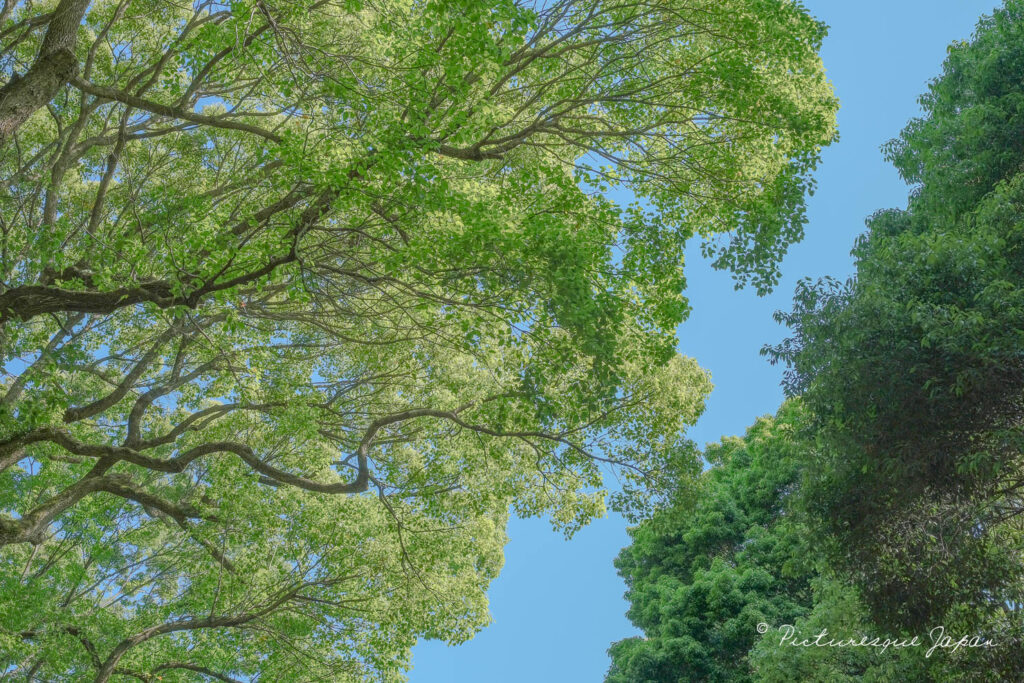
299 301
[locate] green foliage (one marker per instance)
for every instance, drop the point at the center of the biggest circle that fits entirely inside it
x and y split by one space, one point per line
913 369
971 136
299 301
703 573
839 612
887 501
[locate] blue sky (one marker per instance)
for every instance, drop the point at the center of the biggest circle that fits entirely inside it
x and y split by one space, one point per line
558 604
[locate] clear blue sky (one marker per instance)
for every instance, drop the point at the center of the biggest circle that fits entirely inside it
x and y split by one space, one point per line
558 604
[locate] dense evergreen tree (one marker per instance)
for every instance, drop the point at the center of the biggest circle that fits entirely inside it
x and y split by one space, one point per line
703 574
914 370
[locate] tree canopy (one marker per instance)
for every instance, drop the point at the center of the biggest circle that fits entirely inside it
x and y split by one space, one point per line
299 300
702 574
913 368
724 581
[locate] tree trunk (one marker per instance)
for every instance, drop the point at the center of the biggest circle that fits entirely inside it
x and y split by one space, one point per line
55 66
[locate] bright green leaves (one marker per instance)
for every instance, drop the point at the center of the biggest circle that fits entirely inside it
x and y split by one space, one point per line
350 247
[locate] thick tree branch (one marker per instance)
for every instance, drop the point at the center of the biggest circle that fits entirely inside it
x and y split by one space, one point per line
198 669
55 66
170 111
191 624
29 528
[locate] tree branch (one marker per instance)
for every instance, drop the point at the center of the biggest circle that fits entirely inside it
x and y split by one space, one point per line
55 66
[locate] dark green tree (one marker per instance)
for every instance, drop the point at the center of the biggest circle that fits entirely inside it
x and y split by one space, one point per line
702 575
725 581
914 369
